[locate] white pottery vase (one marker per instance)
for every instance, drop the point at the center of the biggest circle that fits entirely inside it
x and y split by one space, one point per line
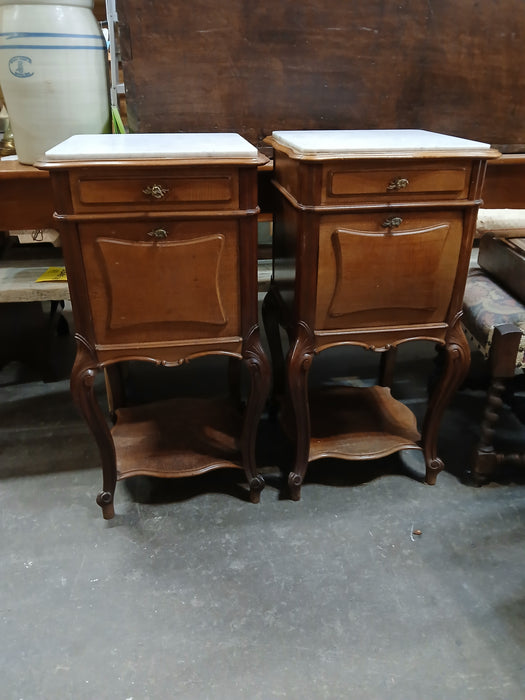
53 73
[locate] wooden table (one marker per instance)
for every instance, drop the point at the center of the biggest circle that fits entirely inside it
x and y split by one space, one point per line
26 202
372 240
159 234
26 197
504 186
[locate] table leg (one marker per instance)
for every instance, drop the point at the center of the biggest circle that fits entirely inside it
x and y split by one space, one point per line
83 376
386 368
271 314
456 354
299 363
259 371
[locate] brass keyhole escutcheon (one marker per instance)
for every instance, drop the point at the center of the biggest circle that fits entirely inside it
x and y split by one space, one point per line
398 183
158 233
155 191
392 222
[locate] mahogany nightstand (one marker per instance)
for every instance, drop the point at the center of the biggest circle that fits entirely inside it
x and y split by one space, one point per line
372 238
159 234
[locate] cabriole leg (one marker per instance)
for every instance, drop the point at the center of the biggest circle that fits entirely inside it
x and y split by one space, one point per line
259 372
83 376
455 367
299 363
271 319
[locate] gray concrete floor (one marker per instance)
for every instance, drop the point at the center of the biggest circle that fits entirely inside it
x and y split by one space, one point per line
193 592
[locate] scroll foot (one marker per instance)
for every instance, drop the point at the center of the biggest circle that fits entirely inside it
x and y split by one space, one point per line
105 501
433 468
256 486
294 486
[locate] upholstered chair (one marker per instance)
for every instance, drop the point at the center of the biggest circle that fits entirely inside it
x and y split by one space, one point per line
494 322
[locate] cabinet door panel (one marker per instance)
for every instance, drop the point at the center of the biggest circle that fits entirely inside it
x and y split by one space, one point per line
178 291
180 285
370 274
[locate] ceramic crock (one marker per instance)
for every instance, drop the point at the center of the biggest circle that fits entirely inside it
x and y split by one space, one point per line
53 73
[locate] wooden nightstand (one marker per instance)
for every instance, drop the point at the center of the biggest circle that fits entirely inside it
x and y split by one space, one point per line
159 234
372 238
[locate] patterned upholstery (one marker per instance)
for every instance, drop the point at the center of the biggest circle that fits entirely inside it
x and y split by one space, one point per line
487 305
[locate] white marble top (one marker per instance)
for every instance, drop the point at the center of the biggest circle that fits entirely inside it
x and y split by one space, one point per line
370 141
136 146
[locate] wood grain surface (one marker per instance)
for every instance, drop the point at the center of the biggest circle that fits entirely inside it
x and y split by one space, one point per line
253 68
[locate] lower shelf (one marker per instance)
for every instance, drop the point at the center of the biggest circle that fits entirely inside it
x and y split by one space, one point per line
358 423
176 438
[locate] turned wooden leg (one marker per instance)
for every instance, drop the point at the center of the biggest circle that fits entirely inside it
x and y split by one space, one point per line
485 459
259 371
455 367
83 376
502 360
299 362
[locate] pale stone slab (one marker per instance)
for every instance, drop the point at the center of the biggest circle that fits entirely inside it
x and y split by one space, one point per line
17 281
135 146
361 142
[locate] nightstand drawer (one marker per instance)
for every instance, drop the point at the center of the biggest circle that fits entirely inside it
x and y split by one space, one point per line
403 182
204 188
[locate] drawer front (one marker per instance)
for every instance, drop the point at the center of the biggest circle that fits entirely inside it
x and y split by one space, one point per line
155 282
158 190
387 270
404 182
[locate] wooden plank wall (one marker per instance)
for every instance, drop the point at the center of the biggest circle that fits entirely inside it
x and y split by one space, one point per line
455 66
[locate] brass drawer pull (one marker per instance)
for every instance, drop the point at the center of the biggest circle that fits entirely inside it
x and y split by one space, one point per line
158 233
156 191
398 183
392 222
